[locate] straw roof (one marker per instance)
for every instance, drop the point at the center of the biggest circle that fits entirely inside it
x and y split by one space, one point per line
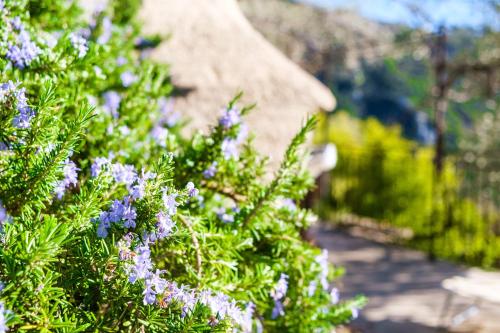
214 50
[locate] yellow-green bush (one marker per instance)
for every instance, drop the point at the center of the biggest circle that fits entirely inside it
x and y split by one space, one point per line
384 176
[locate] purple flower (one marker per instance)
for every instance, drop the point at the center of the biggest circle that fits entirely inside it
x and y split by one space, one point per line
354 312
311 289
4 217
123 211
322 261
229 118
168 116
288 204
224 216
229 148
140 269
24 52
278 309
334 296
9 90
169 202
104 225
192 191
149 293
98 164
112 101
159 134
280 288
107 30
138 190
128 79
120 61
164 226
125 174
3 320
70 178
80 44
17 24
210 171
159 283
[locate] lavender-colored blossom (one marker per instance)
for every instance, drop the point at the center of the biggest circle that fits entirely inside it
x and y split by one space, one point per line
79 43
3 320
24 52
168 116
104 225
334 296
192 191
9 90
98 164
311 289
224 216
142 265
125 174
112 101
229 148
120 61
246 318
169 202
17 24
288 204
164 226
242 134
124 130
210 171
107 30
149 293
128 78
159 135
2 286
230 117
138 190
278 309
4 217
322 261
354 312
281 287
70 178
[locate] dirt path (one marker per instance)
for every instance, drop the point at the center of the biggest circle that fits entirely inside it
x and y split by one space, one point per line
404 289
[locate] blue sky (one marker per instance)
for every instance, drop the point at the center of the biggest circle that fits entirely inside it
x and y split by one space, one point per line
470 13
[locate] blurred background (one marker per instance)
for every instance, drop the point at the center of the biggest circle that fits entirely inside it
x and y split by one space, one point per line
417 133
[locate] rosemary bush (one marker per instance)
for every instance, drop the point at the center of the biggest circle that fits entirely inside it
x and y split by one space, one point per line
112 221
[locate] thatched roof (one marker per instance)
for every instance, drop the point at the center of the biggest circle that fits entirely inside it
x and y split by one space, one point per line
215 51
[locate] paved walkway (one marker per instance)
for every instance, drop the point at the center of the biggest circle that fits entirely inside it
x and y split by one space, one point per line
404 289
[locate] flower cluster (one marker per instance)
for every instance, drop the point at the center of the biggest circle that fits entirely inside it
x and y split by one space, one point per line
128 78
278 294
80 44
230 118
168 118
4 217
112 101
70 178
120 212
10 92
24 51
3 318
161 292
210 171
